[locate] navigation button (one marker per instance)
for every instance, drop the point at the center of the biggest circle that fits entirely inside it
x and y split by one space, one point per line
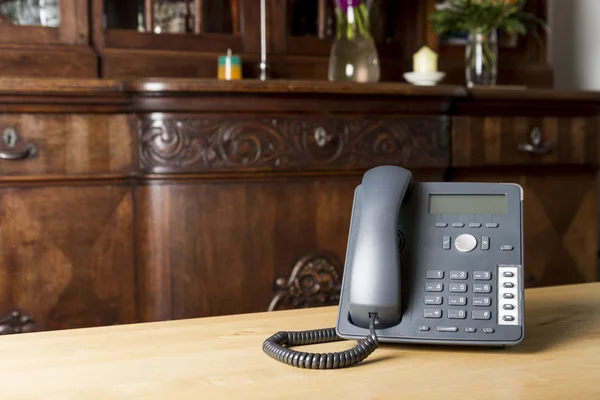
488 330
441 224
470 330
465 243
485 243
474 225
423 328
446 243
506 247
491 225
447 329
458 225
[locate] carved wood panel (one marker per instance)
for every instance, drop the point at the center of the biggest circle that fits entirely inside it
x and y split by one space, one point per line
66 255
559 219
315 281
230 143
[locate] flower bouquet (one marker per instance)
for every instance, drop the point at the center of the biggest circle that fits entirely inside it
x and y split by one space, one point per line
482 19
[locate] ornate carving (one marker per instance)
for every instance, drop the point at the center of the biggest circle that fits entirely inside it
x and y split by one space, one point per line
212 144
314 282
15 322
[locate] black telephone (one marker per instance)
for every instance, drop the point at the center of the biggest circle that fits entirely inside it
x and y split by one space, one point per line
437 263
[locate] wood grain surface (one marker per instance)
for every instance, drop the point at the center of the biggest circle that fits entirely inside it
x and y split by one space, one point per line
222 358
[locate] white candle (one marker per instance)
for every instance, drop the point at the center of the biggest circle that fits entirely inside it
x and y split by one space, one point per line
263 31
425 60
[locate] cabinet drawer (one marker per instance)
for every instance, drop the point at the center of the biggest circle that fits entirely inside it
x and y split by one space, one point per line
65 144
487 141
201 143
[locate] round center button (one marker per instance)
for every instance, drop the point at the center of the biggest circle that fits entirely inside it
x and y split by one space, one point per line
465 243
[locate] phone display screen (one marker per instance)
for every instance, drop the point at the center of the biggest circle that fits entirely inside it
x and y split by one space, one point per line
467 204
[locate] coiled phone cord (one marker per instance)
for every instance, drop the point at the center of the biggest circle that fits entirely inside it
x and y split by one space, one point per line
274 347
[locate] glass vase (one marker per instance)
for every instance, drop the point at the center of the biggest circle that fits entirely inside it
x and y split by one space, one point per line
354 56
482 58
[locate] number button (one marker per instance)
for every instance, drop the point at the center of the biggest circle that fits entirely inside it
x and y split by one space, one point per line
482 275
433 300
458 287
457 300
434 287
458 275
457 314
481 314
482 301
482 288
434 274
432 313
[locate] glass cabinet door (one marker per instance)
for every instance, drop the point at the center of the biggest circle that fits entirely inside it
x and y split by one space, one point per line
31 12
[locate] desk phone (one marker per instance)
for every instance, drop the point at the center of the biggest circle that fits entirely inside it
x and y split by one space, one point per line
426 263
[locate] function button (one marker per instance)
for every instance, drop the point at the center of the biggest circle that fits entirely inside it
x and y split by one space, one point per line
457 300
423 328
482 288
509 285
482 275
474 225
488 330
491 225
506 247
481 314
432 313
508 318
447 329
446 243
470 330
458 275
434 274
508 307
465 243
434 287
508 274
482 301
508 296
485 243
441 224
458 287
458 225
433 300
457 314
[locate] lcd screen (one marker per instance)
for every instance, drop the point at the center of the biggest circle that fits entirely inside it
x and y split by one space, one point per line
467 204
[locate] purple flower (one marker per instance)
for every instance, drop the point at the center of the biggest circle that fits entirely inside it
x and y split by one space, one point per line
343 4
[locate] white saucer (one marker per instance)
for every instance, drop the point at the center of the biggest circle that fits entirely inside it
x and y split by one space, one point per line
424 78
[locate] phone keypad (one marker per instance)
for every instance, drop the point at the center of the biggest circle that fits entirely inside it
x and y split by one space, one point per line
465 300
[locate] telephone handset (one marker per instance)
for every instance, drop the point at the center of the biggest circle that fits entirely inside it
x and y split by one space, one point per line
437 263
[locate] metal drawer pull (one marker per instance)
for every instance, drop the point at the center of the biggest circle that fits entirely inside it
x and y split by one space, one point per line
15 322
10 139
536 143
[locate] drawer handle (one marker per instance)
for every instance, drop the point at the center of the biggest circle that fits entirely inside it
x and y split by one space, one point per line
536 144
11 137
15 322
322 138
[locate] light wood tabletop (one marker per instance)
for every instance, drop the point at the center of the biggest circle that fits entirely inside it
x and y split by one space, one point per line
222 358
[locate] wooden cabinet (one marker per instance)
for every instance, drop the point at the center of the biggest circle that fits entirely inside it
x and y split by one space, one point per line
67 255
48 39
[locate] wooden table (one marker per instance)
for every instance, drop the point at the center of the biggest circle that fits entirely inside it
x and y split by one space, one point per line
222 358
